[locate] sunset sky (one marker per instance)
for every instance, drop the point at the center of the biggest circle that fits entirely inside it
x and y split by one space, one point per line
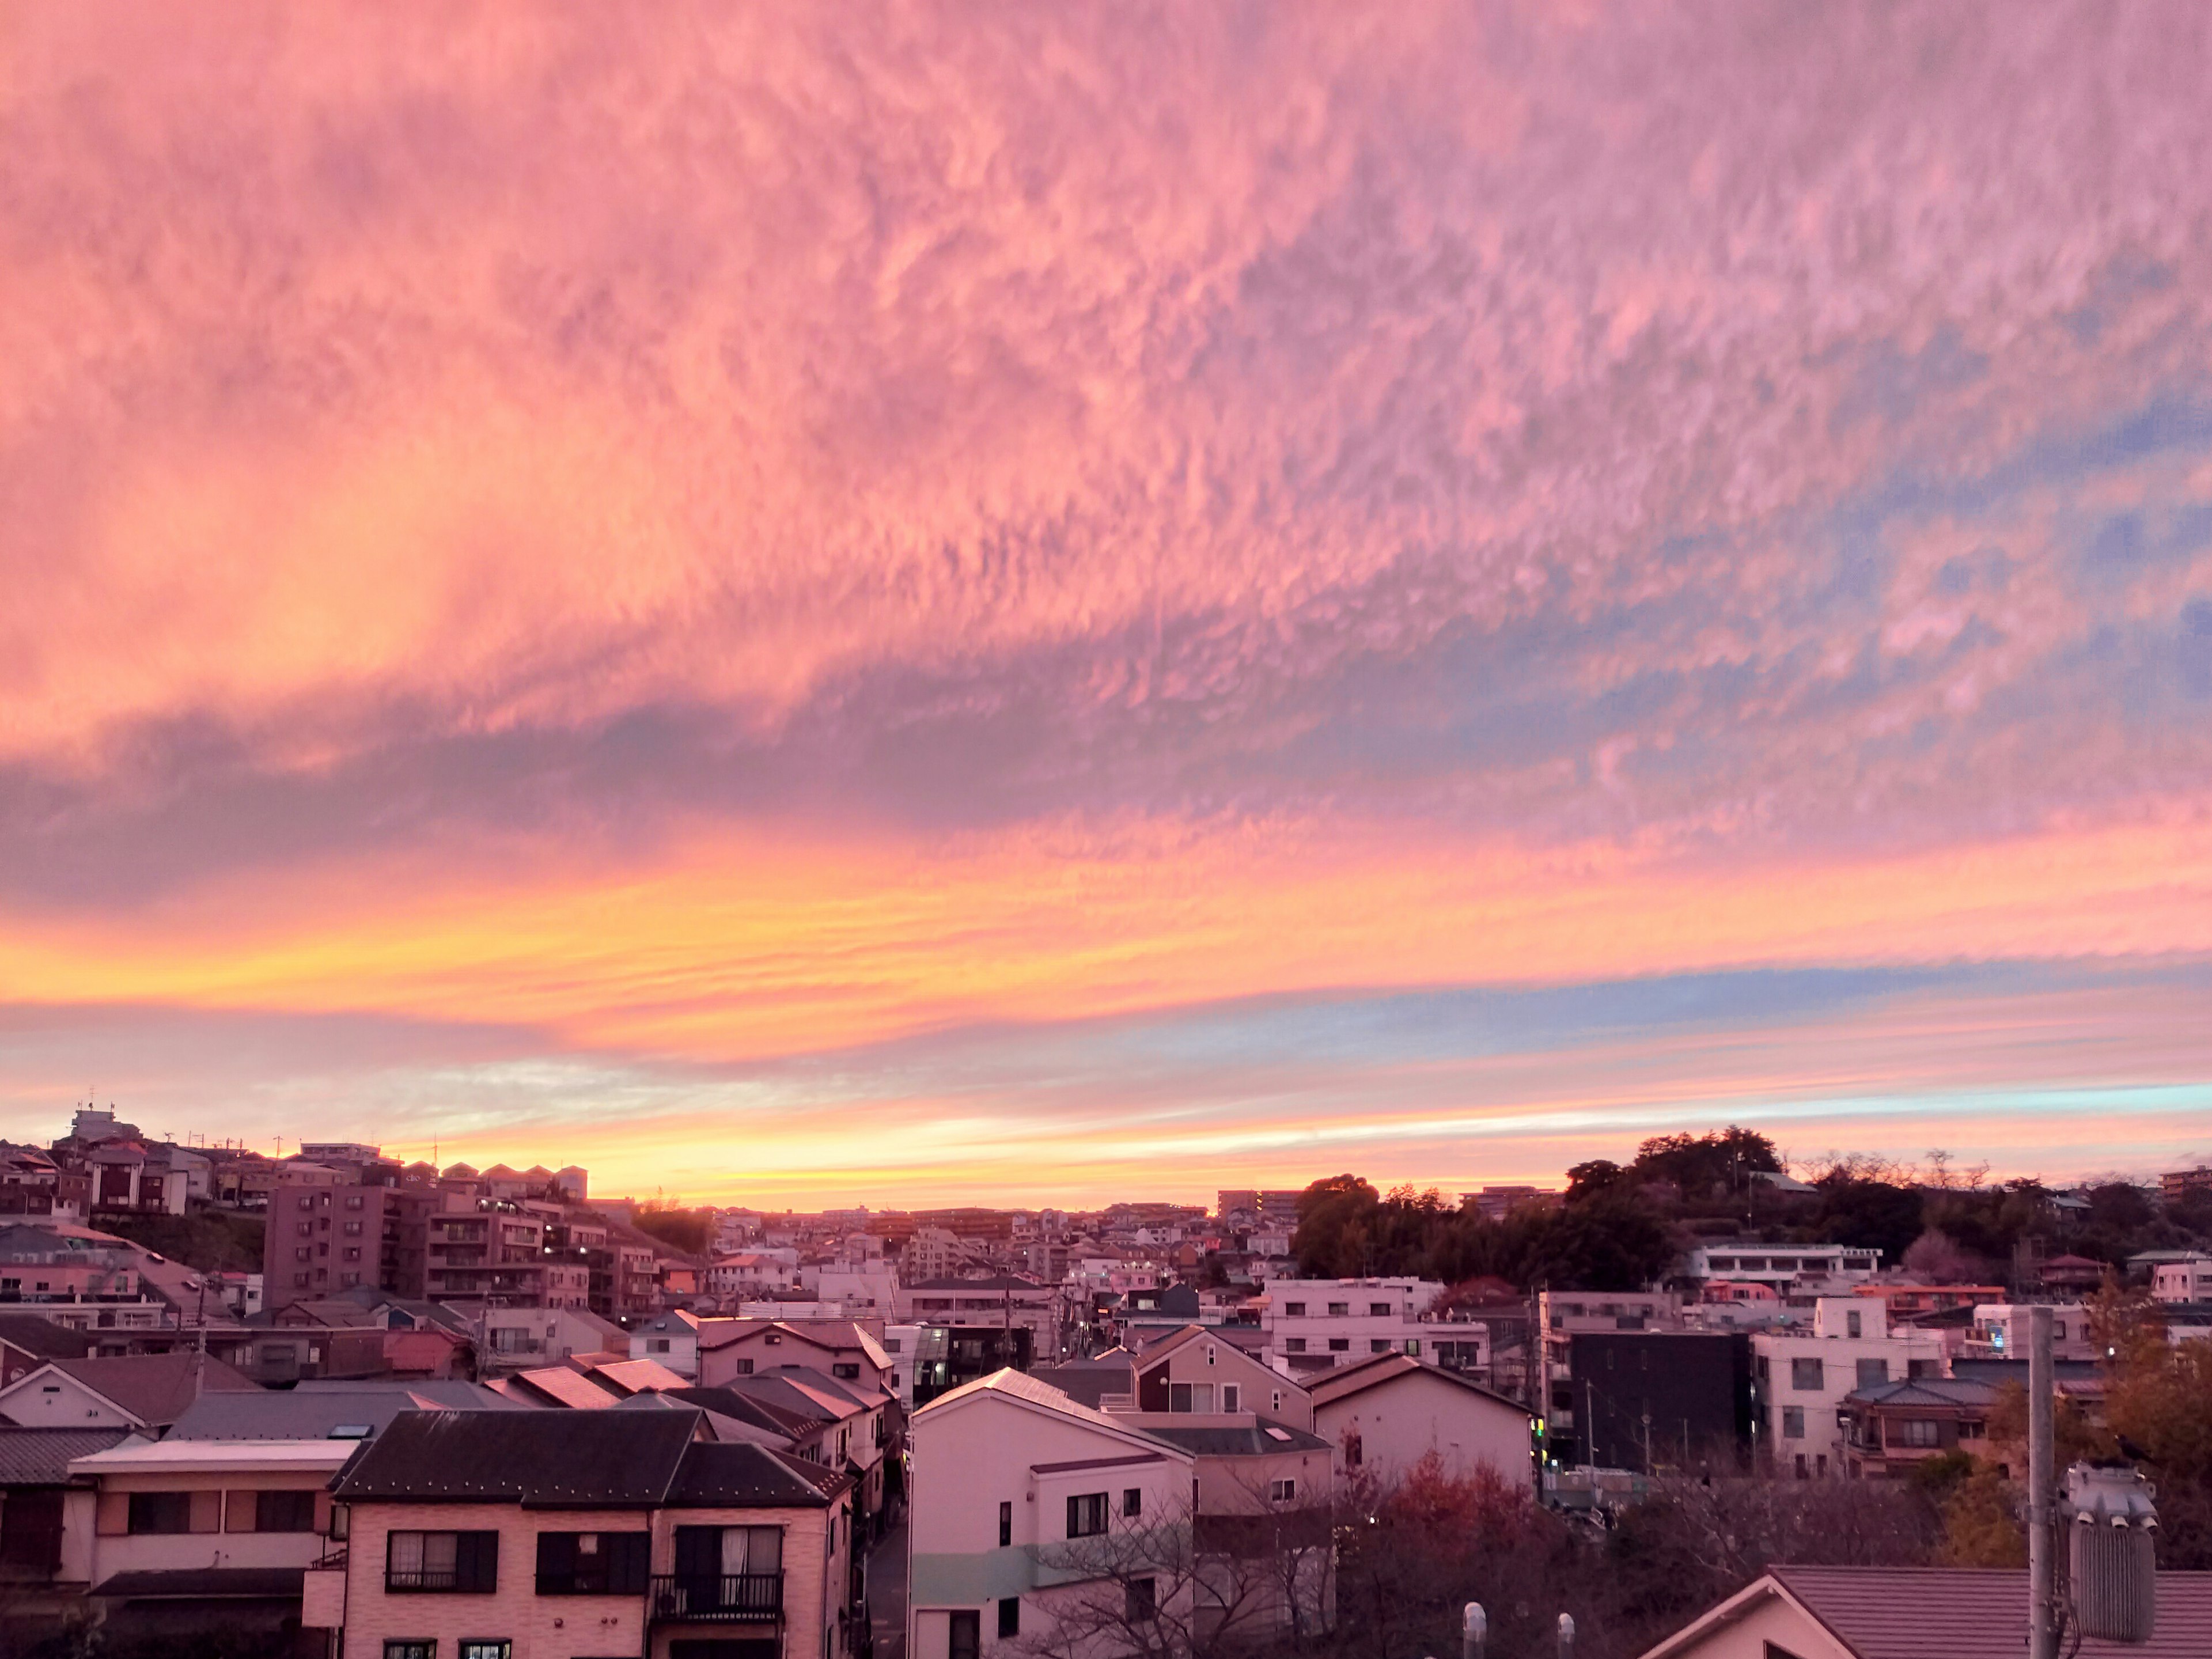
957 602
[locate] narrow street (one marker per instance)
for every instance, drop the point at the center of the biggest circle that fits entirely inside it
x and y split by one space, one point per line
887 1593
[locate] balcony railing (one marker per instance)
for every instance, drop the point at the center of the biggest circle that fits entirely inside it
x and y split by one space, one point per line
730 1598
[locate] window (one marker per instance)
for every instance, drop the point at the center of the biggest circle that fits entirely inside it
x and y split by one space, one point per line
1294 1344
1231 1397
745 1368
353 1229
657 1345
1805 1376
1339 1310
410 1650
1872 1373
1919 1431
305 1253
1005 1526
1010 1616
1282 1491
162 1512
593 1563
456 1563
1144 1600
1295 1309
1190 1396
1379 1344
1918 1367
1132 1503
1793 1422
273 1511
499 1650
1086 1514
846 1372
966 1636
1851 1323
1353 1453
1380 1309
1339 1344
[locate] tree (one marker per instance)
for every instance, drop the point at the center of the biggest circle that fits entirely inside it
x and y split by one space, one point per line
1982 1524
1607 1244
1935 1258
686 1230
1599 1175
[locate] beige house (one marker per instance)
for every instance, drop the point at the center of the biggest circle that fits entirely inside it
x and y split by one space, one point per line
568 1535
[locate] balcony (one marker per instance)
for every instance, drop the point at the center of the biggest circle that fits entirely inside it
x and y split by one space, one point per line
745 1598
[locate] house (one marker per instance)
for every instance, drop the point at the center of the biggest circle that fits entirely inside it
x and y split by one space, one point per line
847 1349
544 1336
1907 1613
1803 1376
1892 1426
326 1411
2000 1331
2189 1279
843 1423
137 1391
1195 1369
672 1339
1386 1414
42 1566
189 1537
27 1342
1027 1509
529 1534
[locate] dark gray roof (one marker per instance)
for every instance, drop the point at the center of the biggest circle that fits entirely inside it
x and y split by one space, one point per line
1087 1384
575 1460
40 1457
745 1408
317 1414
741 1474
1264 1436
204 1584
154 1387
542 1459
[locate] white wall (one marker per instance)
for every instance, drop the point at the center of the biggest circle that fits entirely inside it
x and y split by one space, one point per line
1402 1421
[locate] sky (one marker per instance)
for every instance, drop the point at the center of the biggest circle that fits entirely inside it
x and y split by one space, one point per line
947 601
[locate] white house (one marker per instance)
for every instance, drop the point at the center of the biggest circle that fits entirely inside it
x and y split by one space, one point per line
672 1339
1784 1267
1012 1483
1801 1377
1387 1413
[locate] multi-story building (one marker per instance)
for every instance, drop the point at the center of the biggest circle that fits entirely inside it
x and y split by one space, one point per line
1313 1324
326 1236
176 1538
1648 1400
1802 1377
2000 1331
1798 1269
1007 1302
2189 1279
2175 1185
472 1534
1891 1426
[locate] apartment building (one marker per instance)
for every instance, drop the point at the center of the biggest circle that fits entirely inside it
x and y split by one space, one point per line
1802 1377
545 1535
2000 1331
1007 1302
2189 1279
326 1236
1313 1324
1790 1269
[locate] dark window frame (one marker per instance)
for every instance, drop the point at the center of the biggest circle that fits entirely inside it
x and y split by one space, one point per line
1086 1514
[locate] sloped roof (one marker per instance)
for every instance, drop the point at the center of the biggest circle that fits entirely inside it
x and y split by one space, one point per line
155 1388
1008 1384
43 1338
716 1474
204 1584
636 1376
559 1385
1909 1613
1387 1367
1088 1384
785 1420
40 1457
1928 1391
549 1460
822 1332
316 1412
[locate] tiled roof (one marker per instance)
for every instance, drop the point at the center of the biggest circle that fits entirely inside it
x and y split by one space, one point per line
316 1413
714 1474
560 1385
40 1457
555 1460
205 1583
1928 1391
1384 1368
635 1375
43 1338
1911 1613
156 1387
1087 1383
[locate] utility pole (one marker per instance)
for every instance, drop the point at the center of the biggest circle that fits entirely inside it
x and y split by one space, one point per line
2042 1567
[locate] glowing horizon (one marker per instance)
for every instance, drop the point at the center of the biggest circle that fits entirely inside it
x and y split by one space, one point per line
928 603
